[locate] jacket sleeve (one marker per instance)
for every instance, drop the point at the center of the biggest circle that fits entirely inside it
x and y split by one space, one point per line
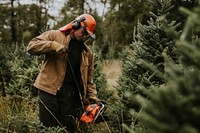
40 44
91 90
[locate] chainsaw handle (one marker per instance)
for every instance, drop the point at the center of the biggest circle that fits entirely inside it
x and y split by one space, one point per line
102 105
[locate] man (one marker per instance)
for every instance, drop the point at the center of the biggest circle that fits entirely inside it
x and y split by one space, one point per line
65 79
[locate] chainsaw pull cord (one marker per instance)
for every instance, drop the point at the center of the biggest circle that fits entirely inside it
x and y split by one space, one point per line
81 98
80 93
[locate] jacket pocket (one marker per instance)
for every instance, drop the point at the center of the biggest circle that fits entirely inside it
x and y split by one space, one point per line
48 73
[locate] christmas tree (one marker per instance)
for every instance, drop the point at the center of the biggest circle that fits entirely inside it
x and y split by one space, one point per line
174 107
144 67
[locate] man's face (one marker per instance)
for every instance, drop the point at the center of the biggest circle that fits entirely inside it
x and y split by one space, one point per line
81 34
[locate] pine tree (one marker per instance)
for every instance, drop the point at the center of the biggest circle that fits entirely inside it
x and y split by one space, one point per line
144 67
174 107
100 80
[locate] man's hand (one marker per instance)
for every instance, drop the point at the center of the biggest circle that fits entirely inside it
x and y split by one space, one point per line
94 100
59 48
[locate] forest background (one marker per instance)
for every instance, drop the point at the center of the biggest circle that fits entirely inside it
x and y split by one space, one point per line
150 48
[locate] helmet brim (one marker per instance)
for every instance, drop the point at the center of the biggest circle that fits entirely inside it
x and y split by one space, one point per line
92 35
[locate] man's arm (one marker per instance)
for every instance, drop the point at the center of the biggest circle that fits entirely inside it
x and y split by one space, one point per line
45 43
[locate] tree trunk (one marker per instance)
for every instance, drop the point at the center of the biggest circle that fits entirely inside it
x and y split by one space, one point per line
81 9
13 23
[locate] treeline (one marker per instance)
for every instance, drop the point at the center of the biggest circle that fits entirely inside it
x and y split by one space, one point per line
21 20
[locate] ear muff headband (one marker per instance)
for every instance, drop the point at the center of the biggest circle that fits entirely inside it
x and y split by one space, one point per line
77 23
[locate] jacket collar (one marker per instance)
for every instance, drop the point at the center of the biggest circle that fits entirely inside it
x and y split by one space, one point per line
70 36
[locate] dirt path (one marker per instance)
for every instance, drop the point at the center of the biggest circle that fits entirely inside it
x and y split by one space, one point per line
112 69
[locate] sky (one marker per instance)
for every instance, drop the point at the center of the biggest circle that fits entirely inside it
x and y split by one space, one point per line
54 10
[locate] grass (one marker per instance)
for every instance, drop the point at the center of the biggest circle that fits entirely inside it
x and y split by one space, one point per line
16 114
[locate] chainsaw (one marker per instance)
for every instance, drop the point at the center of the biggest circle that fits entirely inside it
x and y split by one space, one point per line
92 112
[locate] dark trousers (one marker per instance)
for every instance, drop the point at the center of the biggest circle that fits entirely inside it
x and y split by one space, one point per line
62 109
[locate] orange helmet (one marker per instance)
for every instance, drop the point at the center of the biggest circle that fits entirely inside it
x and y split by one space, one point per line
84 20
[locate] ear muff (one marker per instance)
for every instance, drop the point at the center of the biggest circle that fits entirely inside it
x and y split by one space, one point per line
77 23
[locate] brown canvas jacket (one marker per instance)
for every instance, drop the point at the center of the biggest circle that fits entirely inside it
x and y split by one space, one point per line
53 68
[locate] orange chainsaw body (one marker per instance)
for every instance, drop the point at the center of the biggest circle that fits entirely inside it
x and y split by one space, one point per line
91 113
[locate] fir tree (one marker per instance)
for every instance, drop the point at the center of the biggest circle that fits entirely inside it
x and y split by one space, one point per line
174 107
144 67
100 80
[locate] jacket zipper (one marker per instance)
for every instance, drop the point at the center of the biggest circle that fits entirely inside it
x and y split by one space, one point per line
65 61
